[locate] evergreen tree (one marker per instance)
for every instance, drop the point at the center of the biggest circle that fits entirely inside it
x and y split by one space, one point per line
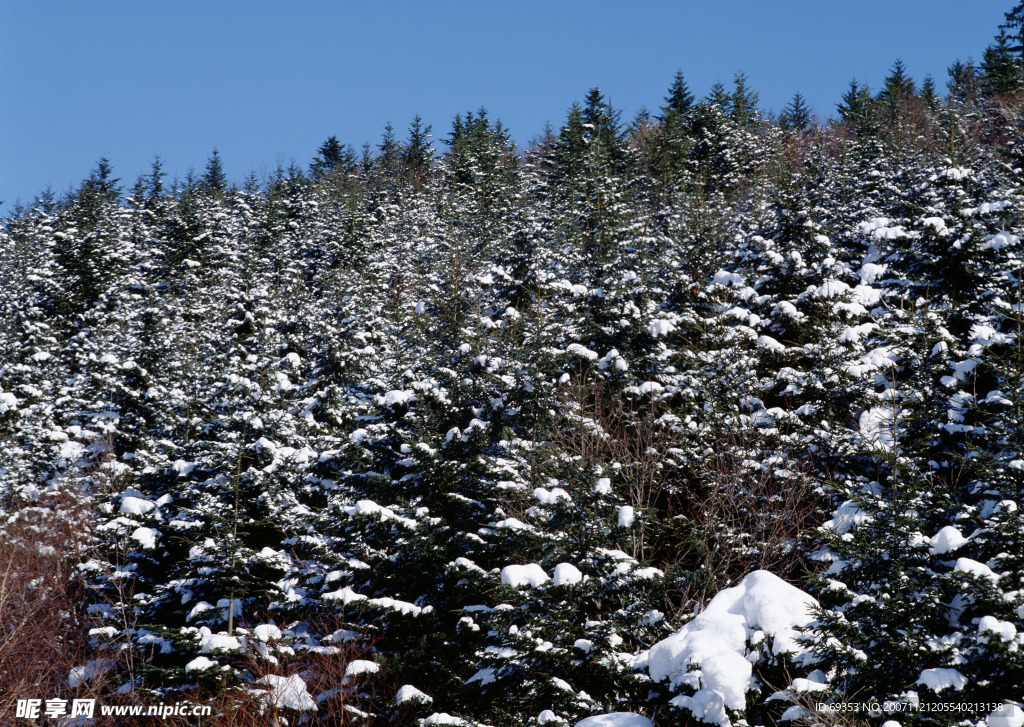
679 99
743 102
928 95
214 181
796 116
1001 70
418 151
330 157
1015 24
857 109
964 84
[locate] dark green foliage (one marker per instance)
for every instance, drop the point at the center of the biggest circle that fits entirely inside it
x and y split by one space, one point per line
214 182
797 115
679 99
332 158
1015 24
1002 71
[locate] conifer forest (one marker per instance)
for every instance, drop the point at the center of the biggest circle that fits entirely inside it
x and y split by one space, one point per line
709 416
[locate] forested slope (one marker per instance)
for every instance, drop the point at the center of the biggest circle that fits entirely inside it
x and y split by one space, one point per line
469 435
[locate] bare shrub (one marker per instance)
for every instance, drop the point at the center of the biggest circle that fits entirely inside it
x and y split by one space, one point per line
43 632
743 500
760 506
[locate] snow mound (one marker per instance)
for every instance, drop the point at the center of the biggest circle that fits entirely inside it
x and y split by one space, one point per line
566 574
81 674
146 537
288 692
135 506
1006 715
551 497
518 576
659 328
706 705
716 639
443 718
397 397
361 666
200 663
616 719
267 632
409 693
939 679
946 540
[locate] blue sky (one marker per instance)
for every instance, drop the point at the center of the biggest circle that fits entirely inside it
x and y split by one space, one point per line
267 82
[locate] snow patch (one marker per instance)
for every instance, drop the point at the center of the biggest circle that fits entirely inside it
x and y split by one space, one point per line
940 679
288 692
518 576
566 574
616 719
947 540
409 693
716 639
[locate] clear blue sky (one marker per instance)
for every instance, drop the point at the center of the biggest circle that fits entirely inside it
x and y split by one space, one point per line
267 82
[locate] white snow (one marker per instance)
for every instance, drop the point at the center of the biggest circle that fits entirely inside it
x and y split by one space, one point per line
136 506
512 523
1006 715
217 642
409 693
288 692
398 397
660 328
182 468
831 289
795 712
346 595
939 679
770 343
876 426
444 718
566 574
947 540
361 666
517 576
552 496
973 567
869 272
626 516
603 487
716 639
81 674
146 537
267 632
616 719
369 507
1005 630
724 277
999 241
612 358
581 351
393 604
8 402
706 705
200 663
